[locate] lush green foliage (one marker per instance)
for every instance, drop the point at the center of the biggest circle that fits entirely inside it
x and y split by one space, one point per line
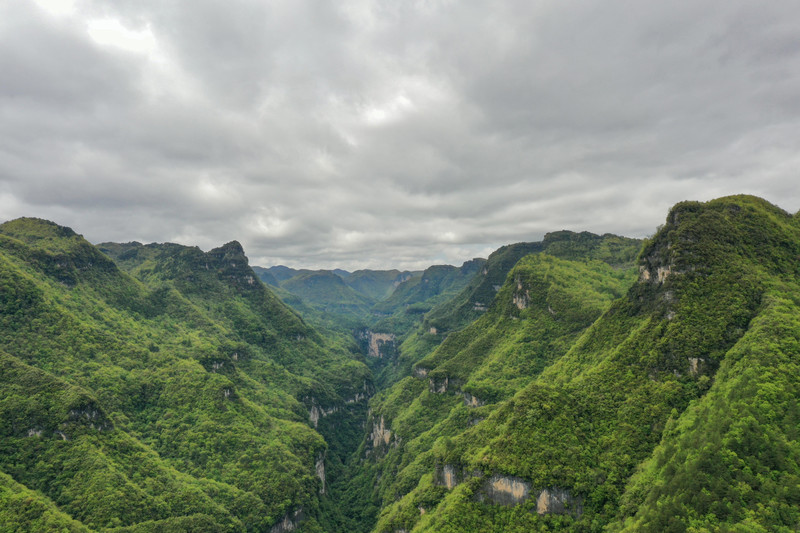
675 411
177 399
161 388
537 315
474 299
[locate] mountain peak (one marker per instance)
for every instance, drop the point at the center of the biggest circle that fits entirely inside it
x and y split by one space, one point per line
31 229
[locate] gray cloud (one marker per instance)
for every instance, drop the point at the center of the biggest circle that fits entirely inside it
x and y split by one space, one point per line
375 134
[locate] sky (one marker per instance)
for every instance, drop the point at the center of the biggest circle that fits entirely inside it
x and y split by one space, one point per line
387 134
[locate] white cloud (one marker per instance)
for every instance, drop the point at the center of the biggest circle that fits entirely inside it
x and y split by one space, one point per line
361 133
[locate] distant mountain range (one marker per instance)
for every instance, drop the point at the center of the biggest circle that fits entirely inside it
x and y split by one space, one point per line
580 383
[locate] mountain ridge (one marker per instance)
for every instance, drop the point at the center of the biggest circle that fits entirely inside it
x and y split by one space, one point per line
608 385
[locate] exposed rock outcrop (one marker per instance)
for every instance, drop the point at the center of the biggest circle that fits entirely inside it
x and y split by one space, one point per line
511 490
317 412
438 385
472 401
289 522
449 476
378 345
660 276
558 501
91 416
506 490
376 342
380 433
521 297
319 466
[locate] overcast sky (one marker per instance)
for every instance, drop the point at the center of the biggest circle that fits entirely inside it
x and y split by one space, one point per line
358 133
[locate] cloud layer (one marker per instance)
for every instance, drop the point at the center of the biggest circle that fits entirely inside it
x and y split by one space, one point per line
390 134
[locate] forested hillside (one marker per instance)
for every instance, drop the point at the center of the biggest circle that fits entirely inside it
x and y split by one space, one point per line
583 383
176 398
676 410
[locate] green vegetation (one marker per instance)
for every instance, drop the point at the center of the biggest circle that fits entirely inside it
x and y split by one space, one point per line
676 410
585 383
539 312
336 300
474 299
175 397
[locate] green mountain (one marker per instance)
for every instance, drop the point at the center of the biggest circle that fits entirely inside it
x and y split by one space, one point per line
169 391
266 276
675 410
336 300
377 284
327 293
419 294
474 299
539 312
585 383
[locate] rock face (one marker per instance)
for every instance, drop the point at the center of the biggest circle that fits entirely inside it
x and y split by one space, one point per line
511 490
449 476
316 412
90 416
521 298
320 468
661 274
380 433
289 522
376 342
378 345
506 490
420 372
438 386
472 401
557 501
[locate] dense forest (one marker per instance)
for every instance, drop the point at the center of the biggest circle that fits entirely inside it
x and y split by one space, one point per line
587 383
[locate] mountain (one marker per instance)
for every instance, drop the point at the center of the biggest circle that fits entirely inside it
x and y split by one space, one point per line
377 284
603 384
541 309
336 300
328 294
266 276
167 391
419 294
474 299
675 410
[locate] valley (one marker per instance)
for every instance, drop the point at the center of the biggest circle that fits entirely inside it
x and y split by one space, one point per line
584 382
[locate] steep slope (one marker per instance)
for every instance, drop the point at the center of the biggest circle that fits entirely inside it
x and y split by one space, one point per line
676 410
396 316
264 275
176 400
326 293
336 300
543 306
22 509
405 308
377 284
473 301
